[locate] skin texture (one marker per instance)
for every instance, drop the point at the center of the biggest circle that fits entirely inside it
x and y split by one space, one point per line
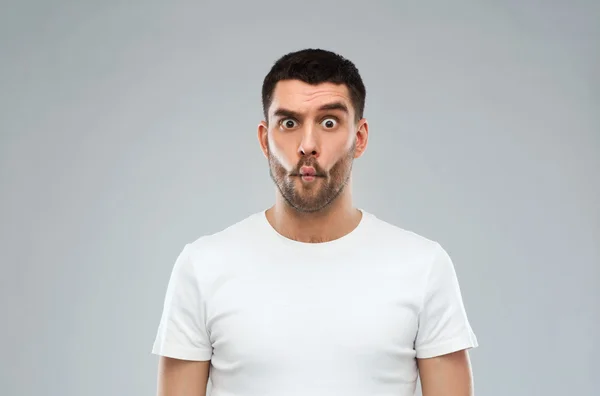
315 125
181 377
447 375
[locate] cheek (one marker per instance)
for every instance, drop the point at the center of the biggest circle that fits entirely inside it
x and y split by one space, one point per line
283 154
336 151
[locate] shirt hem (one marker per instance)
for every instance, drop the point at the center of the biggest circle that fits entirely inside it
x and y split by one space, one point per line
453 345
177 352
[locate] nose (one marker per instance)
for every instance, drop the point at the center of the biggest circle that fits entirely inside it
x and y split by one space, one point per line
308 145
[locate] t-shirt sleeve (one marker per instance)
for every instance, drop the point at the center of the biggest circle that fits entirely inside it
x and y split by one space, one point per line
182 332
443 324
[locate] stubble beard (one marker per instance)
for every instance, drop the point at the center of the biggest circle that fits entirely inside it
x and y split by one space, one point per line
315 197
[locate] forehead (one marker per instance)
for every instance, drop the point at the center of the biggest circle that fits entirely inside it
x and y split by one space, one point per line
301 97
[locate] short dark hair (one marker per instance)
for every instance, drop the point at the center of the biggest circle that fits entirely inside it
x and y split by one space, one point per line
315 66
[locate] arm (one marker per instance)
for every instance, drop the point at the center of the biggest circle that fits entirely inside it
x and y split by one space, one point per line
446 375
182 342
182 377
444 335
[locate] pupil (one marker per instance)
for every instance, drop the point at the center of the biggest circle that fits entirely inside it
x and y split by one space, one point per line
289 124
329 124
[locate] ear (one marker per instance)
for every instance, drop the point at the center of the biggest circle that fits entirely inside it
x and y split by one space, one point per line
263 136
362 138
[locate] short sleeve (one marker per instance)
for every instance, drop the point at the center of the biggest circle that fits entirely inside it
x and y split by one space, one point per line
443 324
182 330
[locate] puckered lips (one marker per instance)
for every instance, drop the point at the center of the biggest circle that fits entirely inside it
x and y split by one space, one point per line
308 173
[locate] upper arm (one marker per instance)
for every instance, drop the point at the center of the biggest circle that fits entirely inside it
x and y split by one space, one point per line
182 332
444 334
443 326
182 341
446 375
182 377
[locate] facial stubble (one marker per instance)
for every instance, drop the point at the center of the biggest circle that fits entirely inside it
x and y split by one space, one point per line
310 198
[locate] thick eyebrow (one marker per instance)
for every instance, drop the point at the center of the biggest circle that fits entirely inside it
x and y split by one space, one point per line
334 106
281 112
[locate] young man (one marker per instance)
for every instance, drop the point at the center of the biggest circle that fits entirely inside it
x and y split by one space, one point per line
313 296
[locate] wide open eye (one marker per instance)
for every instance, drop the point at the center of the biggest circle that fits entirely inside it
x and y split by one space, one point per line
288 123
329 123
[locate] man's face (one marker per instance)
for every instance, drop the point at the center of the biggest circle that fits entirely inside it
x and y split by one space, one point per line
310 142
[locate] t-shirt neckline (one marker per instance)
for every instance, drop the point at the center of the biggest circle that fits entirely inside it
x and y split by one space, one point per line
345 240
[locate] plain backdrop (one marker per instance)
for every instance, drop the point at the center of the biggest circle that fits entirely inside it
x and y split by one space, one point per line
129 129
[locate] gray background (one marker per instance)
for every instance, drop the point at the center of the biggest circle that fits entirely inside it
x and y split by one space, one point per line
129 129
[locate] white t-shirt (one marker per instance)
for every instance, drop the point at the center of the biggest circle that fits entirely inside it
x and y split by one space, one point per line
280 317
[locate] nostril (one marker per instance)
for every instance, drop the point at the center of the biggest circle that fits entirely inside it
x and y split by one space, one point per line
303 152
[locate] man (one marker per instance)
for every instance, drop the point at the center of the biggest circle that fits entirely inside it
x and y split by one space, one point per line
313 296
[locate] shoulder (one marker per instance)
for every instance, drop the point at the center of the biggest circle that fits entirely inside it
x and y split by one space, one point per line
419 258
397 238
241 232
221 248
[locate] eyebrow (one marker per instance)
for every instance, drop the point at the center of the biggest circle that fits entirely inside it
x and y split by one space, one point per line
334 106
281 112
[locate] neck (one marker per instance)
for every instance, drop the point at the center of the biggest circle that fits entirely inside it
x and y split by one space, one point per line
338 219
